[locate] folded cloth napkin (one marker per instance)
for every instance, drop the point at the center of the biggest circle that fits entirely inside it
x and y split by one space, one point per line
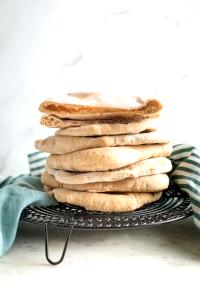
17 193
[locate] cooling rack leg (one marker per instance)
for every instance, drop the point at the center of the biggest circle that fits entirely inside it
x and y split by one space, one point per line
47 244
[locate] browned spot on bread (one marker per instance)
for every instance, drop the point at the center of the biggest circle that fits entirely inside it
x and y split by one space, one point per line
83 95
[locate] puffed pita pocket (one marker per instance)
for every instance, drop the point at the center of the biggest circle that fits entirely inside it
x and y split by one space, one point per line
151 183
105 202
151 166
106 158
151 107
55 122
150 124
50 181
67 144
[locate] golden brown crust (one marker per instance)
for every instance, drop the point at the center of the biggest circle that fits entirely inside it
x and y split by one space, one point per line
74 111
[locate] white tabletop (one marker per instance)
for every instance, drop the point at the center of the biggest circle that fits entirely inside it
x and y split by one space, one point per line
142 262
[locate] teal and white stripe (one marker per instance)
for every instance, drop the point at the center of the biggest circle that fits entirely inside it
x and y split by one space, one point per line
185 173
36 162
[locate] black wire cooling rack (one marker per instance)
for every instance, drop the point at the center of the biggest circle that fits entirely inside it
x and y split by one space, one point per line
174 205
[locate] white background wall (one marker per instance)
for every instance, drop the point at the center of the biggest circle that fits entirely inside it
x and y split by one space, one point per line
147 48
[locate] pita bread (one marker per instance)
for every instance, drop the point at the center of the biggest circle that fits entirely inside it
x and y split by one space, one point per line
54 122
148 108
47 188
151 166
67 144
149 124
152 183
106 158
105 202
146 184
50 181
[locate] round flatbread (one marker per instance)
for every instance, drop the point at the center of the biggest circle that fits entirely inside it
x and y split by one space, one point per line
68 144
149 124
151 166
149 107
106 158
50 181
105 202
152 183
54 122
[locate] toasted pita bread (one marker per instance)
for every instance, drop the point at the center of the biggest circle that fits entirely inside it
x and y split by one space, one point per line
149 124
152 183
151 166
105 202
106 158
54 122
67 144
148 108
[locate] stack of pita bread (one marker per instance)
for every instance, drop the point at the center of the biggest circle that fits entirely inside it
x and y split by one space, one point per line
102 157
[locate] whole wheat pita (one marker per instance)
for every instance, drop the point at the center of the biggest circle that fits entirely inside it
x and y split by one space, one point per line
106 158
149 124
105 202
151 166
55 122
151 107
152 183
67 144
50 181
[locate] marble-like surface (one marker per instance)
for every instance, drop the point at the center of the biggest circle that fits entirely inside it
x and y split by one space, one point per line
153 263
147 48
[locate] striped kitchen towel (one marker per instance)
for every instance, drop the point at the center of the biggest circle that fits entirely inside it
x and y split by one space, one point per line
186 172
36 161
